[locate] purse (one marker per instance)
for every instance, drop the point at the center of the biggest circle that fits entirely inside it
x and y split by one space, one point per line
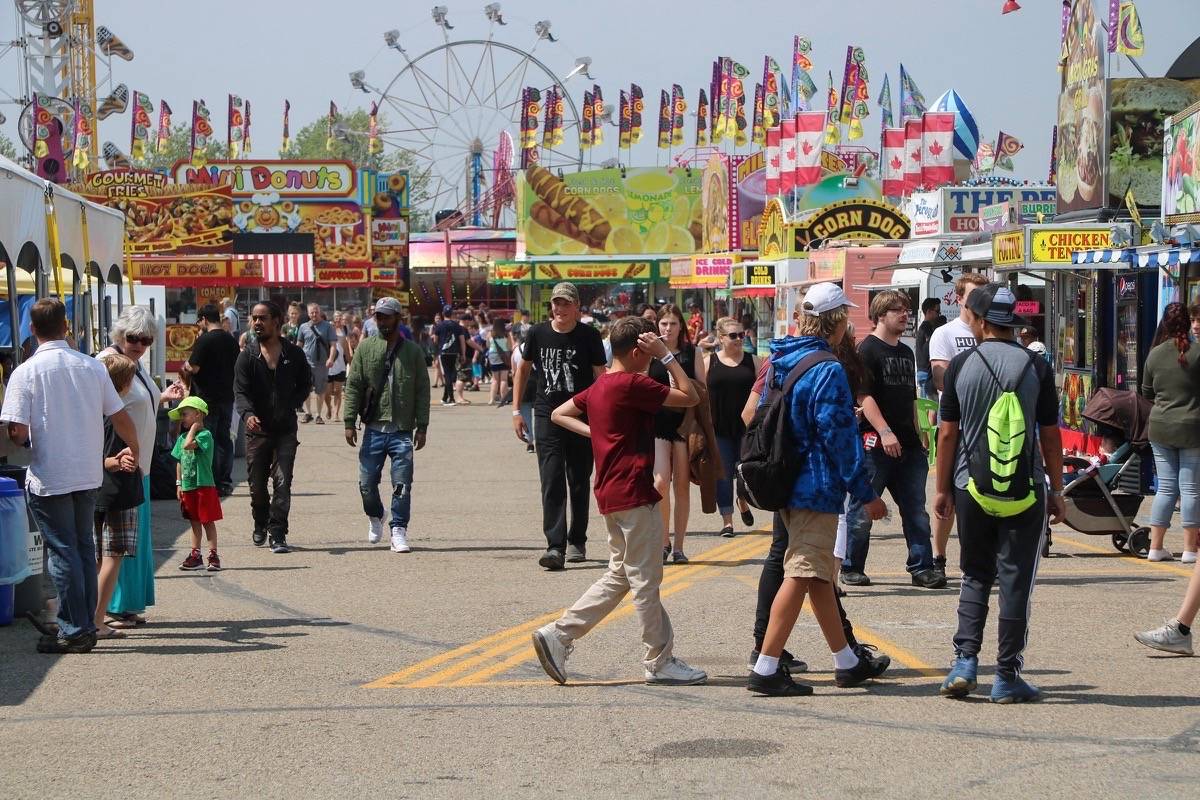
119 490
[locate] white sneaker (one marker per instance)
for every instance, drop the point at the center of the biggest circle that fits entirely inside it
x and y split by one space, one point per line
375 531
1160 555
400 540
676 673
1189 557
552 652
1168 638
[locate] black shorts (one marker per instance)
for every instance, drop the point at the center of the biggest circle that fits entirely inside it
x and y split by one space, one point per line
338 378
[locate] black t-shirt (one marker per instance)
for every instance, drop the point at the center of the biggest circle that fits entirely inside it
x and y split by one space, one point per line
563 363
892 381
215 353
447 333
924 332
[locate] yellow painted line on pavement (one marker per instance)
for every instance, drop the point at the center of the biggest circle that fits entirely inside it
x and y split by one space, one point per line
502 642
1133 561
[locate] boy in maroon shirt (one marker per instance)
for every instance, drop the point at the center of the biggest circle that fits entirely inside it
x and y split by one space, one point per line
620 408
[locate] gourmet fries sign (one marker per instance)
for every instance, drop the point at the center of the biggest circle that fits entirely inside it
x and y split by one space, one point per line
652 211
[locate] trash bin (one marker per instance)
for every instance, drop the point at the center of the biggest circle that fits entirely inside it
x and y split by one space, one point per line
6 604
32 593
14 534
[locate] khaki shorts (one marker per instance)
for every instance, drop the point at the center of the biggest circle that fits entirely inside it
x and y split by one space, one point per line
811 536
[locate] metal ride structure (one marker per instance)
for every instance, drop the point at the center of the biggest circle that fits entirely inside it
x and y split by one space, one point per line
452 108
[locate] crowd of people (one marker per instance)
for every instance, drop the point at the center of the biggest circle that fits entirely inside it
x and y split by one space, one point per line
635 415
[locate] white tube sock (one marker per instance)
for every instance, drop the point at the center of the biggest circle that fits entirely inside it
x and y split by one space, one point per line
766 666
845 658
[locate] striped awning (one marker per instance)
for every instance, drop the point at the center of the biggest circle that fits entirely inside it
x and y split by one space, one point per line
284 269
1107 256
1168 257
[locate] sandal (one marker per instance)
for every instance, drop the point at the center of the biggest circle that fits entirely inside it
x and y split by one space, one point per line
111 633
123 621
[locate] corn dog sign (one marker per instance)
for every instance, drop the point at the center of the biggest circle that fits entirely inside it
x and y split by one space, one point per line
633 212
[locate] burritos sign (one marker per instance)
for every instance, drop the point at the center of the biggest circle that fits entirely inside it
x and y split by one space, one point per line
851 219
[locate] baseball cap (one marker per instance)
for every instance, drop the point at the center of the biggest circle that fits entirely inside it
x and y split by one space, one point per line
388 305
188 402
996 304
825 297
566 291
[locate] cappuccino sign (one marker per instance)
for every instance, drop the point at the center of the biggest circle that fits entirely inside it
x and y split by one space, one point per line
925 211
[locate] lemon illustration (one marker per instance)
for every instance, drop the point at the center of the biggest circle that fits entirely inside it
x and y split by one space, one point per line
656 240
681 211
653 182
612 206
623 239
572 247
679 240
540 240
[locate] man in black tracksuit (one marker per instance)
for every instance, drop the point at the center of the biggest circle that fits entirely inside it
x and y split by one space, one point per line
271 379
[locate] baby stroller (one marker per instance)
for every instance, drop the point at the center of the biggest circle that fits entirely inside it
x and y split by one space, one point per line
1098 499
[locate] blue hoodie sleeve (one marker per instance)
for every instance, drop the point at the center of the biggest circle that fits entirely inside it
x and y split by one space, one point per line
833 410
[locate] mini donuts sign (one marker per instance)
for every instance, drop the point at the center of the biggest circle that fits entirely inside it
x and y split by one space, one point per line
312 180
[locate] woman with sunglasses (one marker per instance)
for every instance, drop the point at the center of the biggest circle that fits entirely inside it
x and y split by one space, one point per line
731 371
132 334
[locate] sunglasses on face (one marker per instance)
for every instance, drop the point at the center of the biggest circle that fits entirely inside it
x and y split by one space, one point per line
144 341
737 335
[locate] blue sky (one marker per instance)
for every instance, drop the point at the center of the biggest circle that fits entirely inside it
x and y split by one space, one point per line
1002 66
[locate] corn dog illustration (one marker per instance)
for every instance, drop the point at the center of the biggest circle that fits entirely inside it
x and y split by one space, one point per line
115 103
111 44
583 216
550 219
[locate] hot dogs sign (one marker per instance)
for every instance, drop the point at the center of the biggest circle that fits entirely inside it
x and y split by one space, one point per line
630 212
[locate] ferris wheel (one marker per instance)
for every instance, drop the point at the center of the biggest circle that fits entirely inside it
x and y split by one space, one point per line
454 108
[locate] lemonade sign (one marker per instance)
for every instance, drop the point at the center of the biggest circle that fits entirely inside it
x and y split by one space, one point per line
652 211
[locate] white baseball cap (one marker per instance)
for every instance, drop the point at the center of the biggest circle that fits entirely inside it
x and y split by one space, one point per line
825 297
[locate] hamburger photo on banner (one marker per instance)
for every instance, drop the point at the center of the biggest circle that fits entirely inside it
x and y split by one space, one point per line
1138 108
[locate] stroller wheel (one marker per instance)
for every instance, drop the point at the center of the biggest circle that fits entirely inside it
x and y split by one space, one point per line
1139 542
1121 541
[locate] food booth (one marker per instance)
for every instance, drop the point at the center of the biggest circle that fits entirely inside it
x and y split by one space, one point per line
702 281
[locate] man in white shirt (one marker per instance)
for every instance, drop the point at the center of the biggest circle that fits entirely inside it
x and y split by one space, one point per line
948 341
232 320
73 391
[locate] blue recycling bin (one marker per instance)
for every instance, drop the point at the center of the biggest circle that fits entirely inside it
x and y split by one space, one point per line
14 546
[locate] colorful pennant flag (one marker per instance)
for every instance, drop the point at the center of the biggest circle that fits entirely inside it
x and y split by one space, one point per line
937 148
597 116
548 125
201 131
233 128
810 128
757 132
559 118
164 126
1125 29
861 96
679 109
1007 146
664 120
246 129
803 88
373 144
985 158
139 125
912 102
833 127
770 88
588 123
623 132
530 97
41 127
702 121
287 139
717 88
637 104
891 167
912 154
849 83
885 103
329 126
741 136
81 137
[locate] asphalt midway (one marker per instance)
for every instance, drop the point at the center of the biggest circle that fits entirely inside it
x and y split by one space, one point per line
343 667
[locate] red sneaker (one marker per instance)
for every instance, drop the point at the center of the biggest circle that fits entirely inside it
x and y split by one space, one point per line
214 561
193 561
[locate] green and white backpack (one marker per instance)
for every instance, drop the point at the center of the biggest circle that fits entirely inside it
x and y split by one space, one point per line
1000 462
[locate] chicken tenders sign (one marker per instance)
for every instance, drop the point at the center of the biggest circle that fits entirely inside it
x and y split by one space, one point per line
1056 247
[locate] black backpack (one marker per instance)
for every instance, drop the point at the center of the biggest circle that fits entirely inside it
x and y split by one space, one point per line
770 461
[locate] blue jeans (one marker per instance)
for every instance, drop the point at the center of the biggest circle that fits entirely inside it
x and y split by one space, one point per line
219 423
1178 471
65 521
925 385
376 446
904 478
731 453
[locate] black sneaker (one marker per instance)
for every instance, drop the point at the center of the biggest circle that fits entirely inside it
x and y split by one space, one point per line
868 667
786 659
552 560
259 537
778 685
868 652
747 518
855 579
279 545
929 579
939 566
82 643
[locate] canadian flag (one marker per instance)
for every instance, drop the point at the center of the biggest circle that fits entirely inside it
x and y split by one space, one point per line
937 149
912 155
810 132
892 162
773 161
787 155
